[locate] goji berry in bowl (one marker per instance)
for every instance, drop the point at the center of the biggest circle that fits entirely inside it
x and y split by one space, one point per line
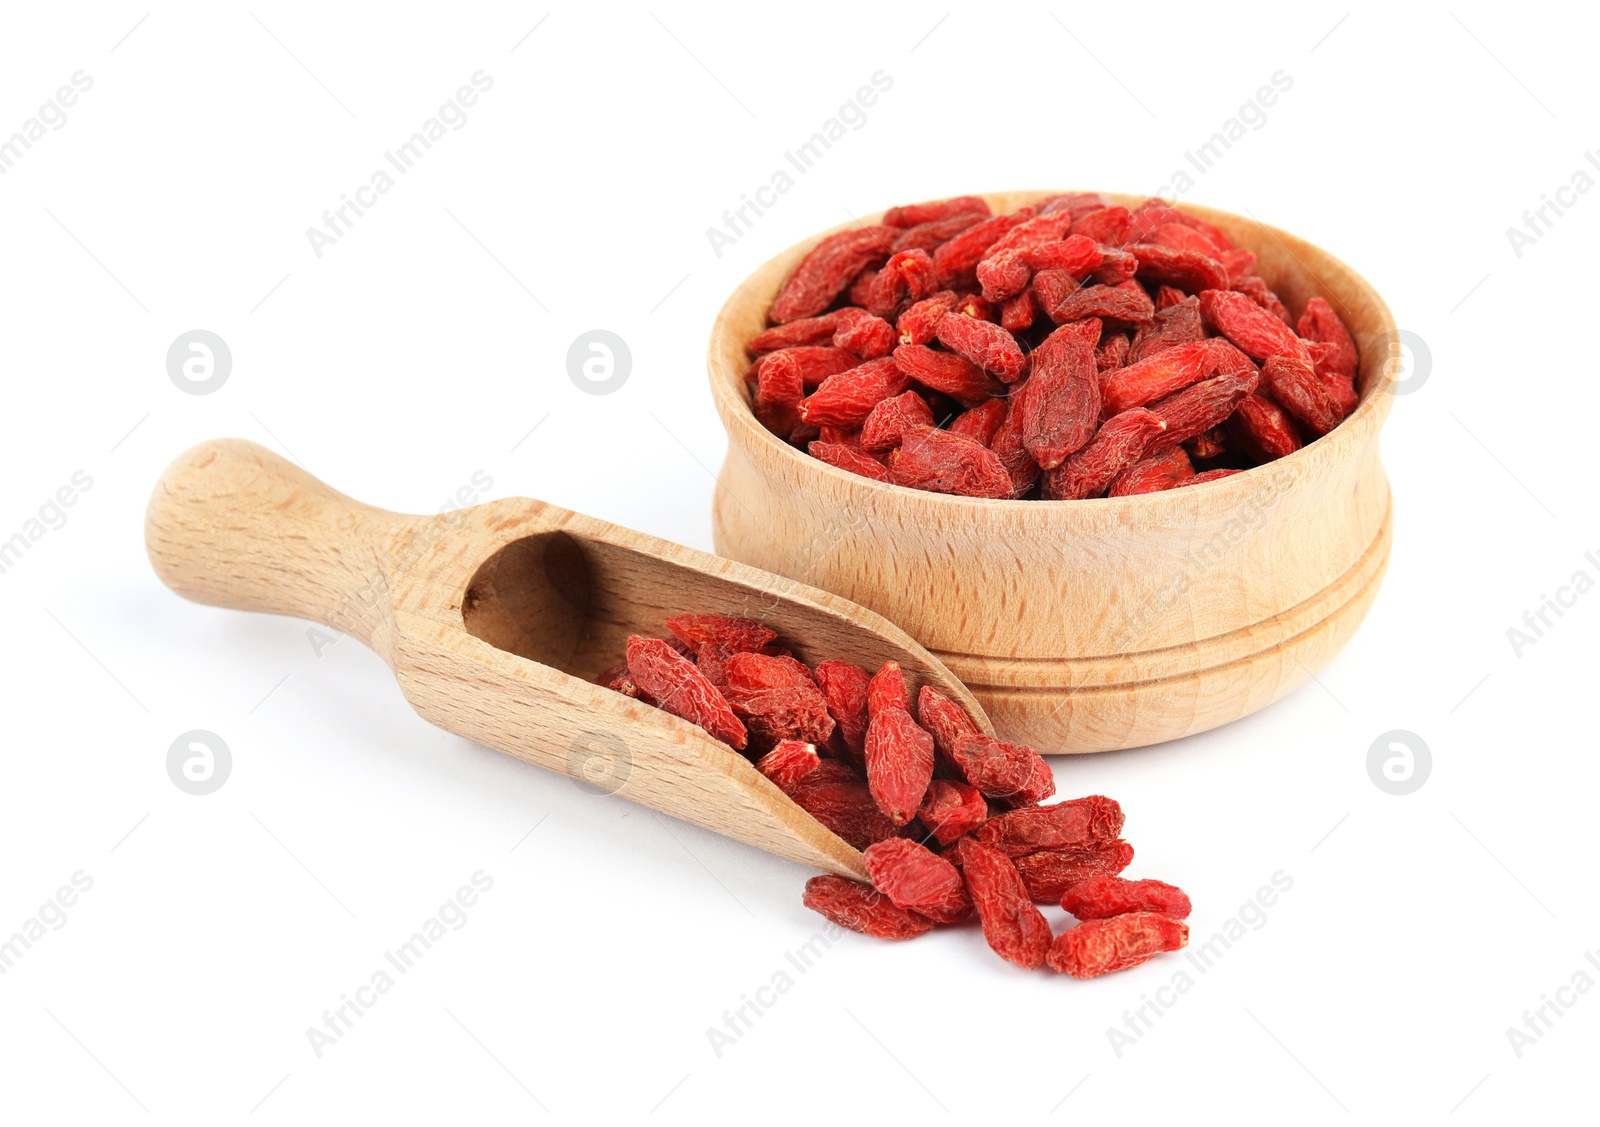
1087 624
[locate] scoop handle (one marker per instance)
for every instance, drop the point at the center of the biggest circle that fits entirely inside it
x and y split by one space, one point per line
232 524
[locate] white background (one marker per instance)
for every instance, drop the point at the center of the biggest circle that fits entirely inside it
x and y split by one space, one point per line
428 342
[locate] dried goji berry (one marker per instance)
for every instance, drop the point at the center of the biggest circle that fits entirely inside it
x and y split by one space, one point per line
983 343
1182 268
919 323
807 330
1120 442
736 635
1208 445
899 763
887 689
908 275
951 809
779 388
1010 444
912 215
619 680
863 336
844 686
1108 226
1018 313
827 269
1178 323
1262 429
1197 409
1258 333
1112 352
1098 947
849 458
678 687
1301 392
980 423
1101 897
1116 268
859 907
788 762
958 259
1061 407
1238 262
817 361
1015 928
1257 290
940 462
1202 478
1158 376
918 879
846 399
930 235
954 375
888 421
998 769
1152 474
1320 323
844 806
945 720
774 701
1078 823
1048 873
1065 304
1004 274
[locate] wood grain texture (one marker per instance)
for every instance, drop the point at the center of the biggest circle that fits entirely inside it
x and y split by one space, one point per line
1100 624
495 620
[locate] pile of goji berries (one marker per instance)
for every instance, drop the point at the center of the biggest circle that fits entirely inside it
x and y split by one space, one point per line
1069 349
949 818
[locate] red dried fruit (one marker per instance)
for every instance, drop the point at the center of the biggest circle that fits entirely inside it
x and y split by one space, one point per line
678 687
1116 267
1061 298
1041 783
1157 377
1167 297
780 384
817 361
888 421
1152 474
1035 232
1209 475
1075 255
827 269
930 235
1258 333
807 330
1113 352
1004 274
1120 442
858 907
846 399
980 423
1257 290
1019 312
1197 409
956 376
973 305
1179 323
983 343
1014 927
1010 444
945 720
951 809
908 275
848 458
931 211
1179 237
1301 393
1099 947
1102 897
957 260
735 635
940 462
914 877
1229 359
618 680
1108 226
1320 323
1263 429
899 763
776 698
1343 392
887 689
844 686
1048 873
919 323
1000 770
1061 408
1078 823
788 762
1182 268
843 805
1238 262
863 336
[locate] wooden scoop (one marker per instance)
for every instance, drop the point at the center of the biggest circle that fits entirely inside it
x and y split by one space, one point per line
496 619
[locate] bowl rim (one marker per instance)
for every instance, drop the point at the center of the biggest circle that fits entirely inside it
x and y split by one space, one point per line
1353 434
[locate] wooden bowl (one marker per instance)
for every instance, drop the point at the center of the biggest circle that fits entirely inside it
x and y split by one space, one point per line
1098 624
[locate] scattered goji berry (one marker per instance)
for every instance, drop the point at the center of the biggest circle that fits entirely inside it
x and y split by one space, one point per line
858 907
951 809
1097 947
918 879
899 763
1048 873
736 635
1101 897
1078 823
1013 925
